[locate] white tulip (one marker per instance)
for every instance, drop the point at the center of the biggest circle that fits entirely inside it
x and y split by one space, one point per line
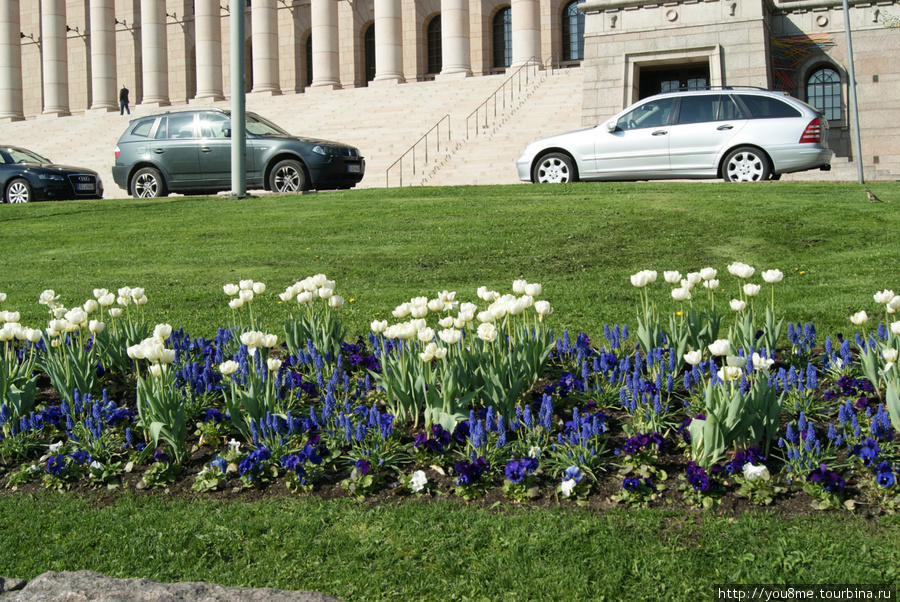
152 350
889 354
446 322
884 297
694 278
485 317
167 357
245 285
736 361
534 290
681 294
461 323
142 300
245 295
761 363
450 336
772 276
526 301
693 357
76 316
319 280
730 373
518 287
106 300
402 310
859 318
96 326
487 332
90 306
672 277
336 302
135 352
123 301
305 298
720 347
641 279
32 335
425 335
543 309
251 338
418 302
162 331
100 292
436 305
711 284
270 341
259 288
228 367
115 312
325 293
286 295
894 303
895 327
236 303
2 297
124 291
7 333
465 317
428 354
738 305
378 327
751 290
10 316
419 311
156 370
741 270
447 297
516 307
137 292
273 364
231 289
48 297
468 308
708 273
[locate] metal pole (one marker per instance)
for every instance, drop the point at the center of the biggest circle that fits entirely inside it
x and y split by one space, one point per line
238 103
854 111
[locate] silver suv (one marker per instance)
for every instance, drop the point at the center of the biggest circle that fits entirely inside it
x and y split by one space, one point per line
740 135
189 151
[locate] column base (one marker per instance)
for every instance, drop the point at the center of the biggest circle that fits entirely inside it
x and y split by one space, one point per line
452 75
205 100
322 87
12 118
264 93
53 114
387 81
153 104
101 110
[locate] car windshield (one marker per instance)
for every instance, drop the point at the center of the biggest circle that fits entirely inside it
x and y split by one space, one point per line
20 155
261 127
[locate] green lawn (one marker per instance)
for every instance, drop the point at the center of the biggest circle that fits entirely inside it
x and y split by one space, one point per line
581 242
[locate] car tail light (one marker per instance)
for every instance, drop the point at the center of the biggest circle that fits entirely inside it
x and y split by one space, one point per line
812 133
117 152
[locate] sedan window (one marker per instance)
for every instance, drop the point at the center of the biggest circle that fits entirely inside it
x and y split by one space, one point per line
648 115
710 107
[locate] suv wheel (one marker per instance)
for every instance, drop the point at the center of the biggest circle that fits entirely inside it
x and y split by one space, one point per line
745 164
288 176
148 183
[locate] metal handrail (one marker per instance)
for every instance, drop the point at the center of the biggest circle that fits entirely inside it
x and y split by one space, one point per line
412 149
532 65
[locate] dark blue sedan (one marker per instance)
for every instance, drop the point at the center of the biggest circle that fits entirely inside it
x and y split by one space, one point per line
26 176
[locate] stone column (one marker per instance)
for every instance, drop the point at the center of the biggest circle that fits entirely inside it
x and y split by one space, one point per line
55 57
526 32
455 38
388 41
208 36
103 55
264 27
10 62
325 53
154 48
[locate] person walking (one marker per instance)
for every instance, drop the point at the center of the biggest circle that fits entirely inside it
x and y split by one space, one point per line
123 101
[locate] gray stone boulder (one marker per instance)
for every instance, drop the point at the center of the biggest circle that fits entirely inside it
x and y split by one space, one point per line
83 586
10 585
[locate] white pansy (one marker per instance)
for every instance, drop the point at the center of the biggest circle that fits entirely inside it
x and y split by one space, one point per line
487 332
772 276
753 472
708 273
751 290
567 487
418 481
55 447
859 318
738 305
693 357
231 289
234 445
720 347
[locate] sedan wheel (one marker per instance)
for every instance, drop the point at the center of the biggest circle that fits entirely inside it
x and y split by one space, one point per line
148 183
19 191
288 176
746 164
555 168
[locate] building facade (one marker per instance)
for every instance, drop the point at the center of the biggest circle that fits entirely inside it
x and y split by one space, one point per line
59 57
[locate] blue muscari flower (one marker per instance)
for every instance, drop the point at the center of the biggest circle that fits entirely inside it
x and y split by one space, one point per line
810 438
478 435
812 381
78 407
801 423
360 432
881 425
789 435
527 418
489 420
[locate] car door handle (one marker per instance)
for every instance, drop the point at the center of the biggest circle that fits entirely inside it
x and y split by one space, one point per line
725 127
205 149
660 133
158 151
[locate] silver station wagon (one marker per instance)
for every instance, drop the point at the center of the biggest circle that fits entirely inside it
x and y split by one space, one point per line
189 151
740 135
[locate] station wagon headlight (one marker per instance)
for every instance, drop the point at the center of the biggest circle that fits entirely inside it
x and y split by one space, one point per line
47 176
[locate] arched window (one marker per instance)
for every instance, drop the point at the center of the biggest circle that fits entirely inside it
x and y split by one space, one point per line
502 38
823 91
309 60
573 32
433 46
369 52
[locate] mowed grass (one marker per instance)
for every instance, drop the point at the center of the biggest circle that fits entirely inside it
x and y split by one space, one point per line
582 242
384 246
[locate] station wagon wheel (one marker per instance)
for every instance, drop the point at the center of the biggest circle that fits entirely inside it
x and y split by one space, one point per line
19 191
288 176
554 168
745 164
148 183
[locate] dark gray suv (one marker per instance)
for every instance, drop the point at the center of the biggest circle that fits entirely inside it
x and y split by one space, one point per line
189 151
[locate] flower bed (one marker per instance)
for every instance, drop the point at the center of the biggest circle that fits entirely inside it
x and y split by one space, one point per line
469 399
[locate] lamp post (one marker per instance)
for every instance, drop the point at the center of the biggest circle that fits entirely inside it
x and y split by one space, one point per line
238 103
854 110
